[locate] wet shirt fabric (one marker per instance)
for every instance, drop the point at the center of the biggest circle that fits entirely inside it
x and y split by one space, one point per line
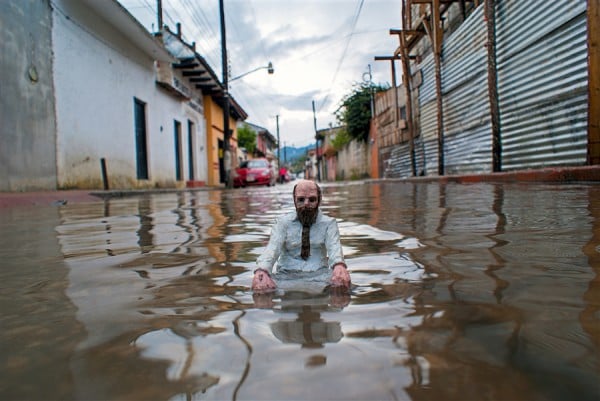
286 242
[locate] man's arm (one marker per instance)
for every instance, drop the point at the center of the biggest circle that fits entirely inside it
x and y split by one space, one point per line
340 276
267 259
262 280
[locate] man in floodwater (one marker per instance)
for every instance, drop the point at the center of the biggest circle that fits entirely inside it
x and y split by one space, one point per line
305 240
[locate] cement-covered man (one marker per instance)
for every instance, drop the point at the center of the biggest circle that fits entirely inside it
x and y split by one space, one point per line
305 240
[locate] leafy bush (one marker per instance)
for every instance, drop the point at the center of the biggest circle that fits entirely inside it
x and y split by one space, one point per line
355 110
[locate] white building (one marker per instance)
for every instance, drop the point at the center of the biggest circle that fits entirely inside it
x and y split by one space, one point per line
109 106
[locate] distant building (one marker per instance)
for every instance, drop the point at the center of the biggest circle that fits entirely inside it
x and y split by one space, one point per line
266 144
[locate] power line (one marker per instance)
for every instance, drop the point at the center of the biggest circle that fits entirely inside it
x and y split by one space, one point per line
357 15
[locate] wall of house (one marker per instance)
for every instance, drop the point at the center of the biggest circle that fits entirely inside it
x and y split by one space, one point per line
27 129
97 74
199 144
214 134
353 161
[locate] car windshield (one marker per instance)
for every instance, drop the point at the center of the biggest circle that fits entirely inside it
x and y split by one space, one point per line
257 164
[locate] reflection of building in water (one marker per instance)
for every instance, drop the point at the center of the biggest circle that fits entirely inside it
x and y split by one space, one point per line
591 312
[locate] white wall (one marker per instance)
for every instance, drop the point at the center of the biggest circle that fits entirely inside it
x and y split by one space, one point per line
97 74
27 120
353 161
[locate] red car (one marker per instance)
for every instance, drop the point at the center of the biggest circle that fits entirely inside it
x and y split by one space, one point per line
254 172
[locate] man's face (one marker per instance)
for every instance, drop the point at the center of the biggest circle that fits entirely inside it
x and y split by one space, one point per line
306 200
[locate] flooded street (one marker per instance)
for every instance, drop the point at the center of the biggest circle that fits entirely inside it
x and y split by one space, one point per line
461 292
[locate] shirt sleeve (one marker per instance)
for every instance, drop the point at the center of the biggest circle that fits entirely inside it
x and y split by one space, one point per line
333 245
276 242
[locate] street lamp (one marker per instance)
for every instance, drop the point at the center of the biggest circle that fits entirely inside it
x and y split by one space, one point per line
268 67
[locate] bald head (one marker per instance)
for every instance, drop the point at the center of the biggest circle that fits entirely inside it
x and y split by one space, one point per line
307 193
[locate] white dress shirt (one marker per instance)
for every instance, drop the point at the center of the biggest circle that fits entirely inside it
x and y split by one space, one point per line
285 245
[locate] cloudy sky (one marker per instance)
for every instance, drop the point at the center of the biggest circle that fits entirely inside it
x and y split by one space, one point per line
319 49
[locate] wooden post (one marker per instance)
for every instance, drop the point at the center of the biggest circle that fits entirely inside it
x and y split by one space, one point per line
407 82
438 35
435 33
593 16
492 79
395 86
104 173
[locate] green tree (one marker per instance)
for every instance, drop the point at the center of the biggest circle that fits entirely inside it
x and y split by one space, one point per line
355 110
247 138
342 138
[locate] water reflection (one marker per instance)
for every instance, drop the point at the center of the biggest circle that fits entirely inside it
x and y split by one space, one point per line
460 292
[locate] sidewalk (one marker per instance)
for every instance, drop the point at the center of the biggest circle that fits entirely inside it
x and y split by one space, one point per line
555 174
585 174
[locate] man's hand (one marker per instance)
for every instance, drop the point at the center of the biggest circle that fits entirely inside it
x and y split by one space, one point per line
340 276
262 281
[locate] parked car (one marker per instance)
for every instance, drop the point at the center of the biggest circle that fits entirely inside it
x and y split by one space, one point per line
254 172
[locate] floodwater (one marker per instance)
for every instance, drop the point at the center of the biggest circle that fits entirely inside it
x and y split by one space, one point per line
461 292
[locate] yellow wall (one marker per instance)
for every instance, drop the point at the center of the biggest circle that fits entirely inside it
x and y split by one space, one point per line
214 132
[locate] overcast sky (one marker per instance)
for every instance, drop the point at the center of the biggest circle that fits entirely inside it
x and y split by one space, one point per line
319 49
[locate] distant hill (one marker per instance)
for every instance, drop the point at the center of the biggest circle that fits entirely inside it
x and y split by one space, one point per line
292 153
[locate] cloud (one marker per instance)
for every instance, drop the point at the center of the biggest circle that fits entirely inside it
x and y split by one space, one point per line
317 49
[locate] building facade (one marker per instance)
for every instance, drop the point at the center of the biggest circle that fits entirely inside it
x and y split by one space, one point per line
495 85
93 100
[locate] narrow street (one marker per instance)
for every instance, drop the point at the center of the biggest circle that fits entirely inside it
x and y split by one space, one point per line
459 290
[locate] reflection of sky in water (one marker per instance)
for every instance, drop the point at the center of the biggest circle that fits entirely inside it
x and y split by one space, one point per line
165 345
258 228
349 229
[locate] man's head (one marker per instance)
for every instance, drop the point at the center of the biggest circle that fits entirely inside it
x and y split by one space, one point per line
307 198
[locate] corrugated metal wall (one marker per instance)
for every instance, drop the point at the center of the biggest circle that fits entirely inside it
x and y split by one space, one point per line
398 163
467 124
542 93
542 82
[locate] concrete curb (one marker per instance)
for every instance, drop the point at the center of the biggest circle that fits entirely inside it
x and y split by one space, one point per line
555 174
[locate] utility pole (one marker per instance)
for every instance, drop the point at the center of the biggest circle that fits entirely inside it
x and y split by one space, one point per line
278 150
371 91
316 143
159 14
226 133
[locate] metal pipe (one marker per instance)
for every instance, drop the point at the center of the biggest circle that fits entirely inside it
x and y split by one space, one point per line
104 173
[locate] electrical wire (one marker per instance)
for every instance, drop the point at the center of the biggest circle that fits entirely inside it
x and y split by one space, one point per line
340 62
